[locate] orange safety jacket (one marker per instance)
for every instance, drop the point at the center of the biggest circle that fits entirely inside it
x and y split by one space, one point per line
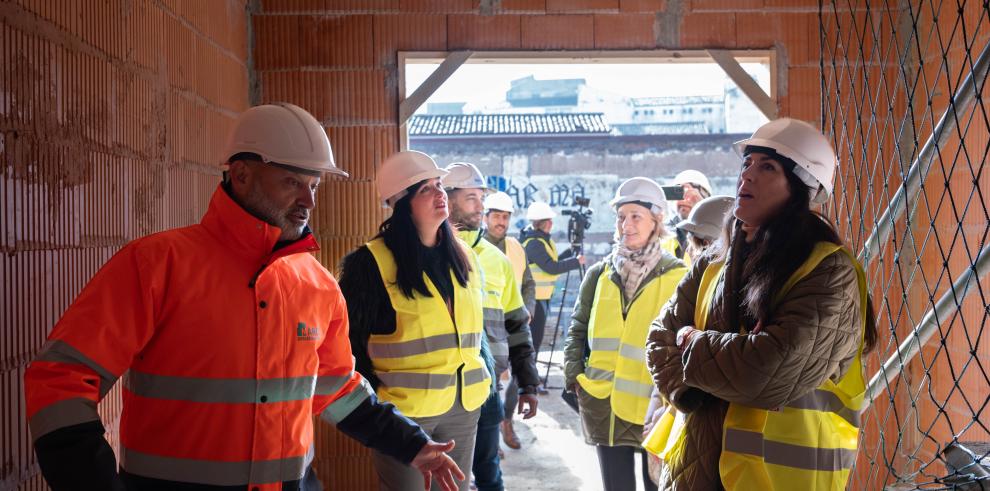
227 349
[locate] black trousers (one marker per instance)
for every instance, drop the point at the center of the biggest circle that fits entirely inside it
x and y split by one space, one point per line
618 468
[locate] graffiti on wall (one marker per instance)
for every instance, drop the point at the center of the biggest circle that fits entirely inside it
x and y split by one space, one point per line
560 194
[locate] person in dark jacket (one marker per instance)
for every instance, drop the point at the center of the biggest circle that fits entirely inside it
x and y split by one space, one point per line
759 352
545 262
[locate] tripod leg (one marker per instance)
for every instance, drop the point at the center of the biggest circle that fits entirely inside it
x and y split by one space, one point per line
556 327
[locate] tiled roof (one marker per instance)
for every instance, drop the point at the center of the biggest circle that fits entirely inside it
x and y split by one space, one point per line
508 124
677 100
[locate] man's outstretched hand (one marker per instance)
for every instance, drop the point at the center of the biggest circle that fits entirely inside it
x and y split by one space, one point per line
433 461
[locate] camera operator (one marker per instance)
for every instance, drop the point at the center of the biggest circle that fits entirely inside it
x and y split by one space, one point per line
545 263
695 188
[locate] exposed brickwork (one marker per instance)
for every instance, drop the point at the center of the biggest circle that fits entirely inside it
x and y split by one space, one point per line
111 119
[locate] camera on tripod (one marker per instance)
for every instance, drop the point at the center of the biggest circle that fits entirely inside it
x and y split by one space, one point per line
579 222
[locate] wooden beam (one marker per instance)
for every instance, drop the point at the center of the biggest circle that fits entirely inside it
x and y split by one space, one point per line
450 64
746 83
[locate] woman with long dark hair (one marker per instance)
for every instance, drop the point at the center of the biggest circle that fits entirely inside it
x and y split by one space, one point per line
759 353
414 298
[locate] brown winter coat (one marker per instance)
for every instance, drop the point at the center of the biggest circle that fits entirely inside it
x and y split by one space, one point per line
812 335
601 426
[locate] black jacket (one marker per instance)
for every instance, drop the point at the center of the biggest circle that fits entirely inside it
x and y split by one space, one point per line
537 254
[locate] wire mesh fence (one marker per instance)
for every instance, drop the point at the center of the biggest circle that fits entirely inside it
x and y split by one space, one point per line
904 101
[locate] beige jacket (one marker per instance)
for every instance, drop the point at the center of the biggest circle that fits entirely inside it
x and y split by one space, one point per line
813 335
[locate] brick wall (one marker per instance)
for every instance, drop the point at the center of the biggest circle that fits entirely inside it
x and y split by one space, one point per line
111 114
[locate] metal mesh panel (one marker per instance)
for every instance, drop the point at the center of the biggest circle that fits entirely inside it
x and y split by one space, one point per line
903 87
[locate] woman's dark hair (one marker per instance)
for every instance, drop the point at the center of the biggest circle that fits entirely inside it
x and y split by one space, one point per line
780 247
400 236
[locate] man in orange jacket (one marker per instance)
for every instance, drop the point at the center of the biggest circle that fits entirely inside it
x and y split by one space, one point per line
229 334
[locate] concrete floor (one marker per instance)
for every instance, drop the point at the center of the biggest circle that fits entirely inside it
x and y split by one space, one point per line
553 456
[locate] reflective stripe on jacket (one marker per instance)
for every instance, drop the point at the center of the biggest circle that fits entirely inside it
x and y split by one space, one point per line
617 334
228 348
545 282
810 442
419 365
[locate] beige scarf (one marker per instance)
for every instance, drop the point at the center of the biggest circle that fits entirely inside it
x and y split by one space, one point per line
633 266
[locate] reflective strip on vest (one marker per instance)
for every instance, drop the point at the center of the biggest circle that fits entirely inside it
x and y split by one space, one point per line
337 410
381 349
232 391
61 352
544 281
823 400
616 367
215 473
788 455
61 414
418 367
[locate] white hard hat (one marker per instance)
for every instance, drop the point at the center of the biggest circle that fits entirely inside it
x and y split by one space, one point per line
705 220
539 211
283 134
641 189
805 145
499 201
463 175
692 176
403 169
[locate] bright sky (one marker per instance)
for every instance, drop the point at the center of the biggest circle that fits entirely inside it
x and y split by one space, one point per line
487 83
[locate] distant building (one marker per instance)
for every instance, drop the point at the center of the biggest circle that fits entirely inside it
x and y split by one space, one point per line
431 127
729 112
674 115
445 107
529 92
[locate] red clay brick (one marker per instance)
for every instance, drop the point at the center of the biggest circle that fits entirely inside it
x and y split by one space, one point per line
624 31
642 5
483 32
725 5
708 31
523 6
278 6
571 6
408 32
804 94
810 5
558 32
438 6
339 41
277 39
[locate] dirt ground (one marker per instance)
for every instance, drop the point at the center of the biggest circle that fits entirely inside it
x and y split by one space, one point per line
553 456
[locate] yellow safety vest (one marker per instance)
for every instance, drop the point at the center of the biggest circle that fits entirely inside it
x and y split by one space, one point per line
545 282
421 363
517 257
501 295
617 365
808 444
671 245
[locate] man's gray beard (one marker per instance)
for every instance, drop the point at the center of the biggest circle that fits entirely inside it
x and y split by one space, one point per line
258 204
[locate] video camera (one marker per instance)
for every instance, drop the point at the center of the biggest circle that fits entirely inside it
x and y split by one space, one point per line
579 222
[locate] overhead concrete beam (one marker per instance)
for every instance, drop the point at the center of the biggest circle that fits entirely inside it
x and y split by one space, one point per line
735 71
450 64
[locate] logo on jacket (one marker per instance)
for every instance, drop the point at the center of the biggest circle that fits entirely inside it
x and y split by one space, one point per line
304 333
